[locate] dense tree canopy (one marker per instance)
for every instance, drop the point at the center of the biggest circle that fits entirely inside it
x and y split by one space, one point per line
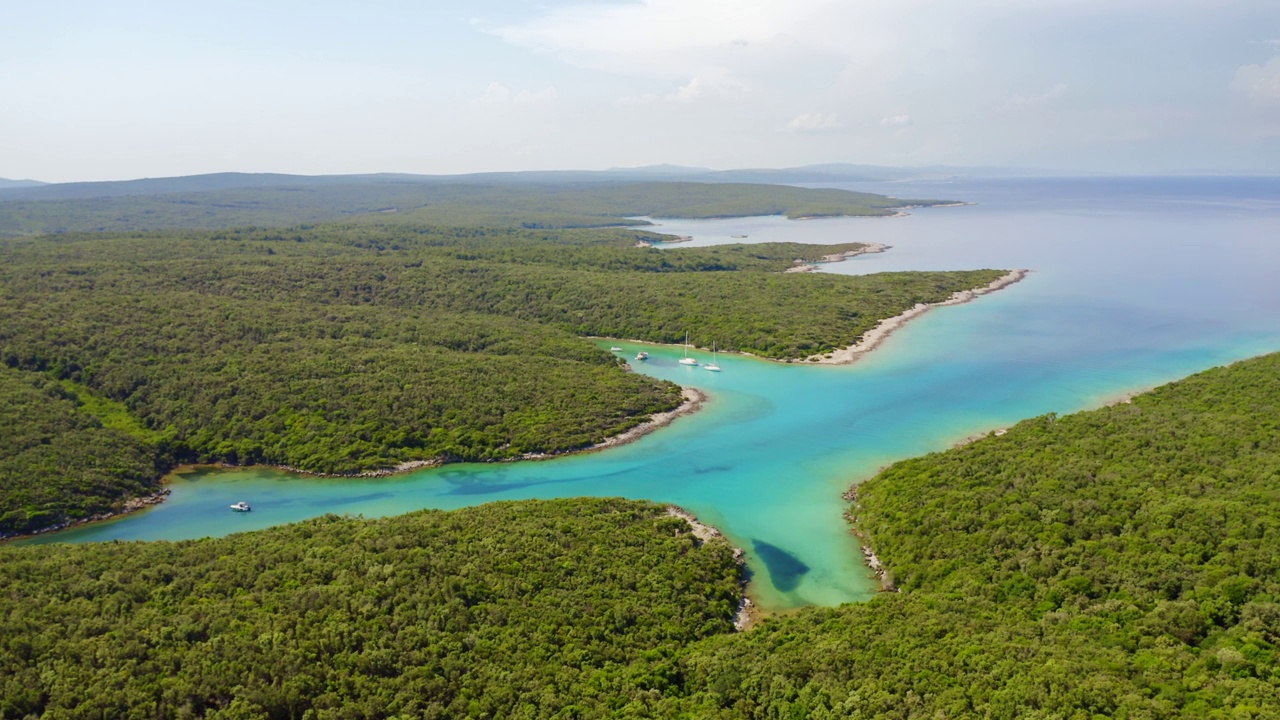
58 462
509 610
1113 563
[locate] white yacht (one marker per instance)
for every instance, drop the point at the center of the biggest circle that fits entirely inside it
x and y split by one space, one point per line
241 506
686 360
714 366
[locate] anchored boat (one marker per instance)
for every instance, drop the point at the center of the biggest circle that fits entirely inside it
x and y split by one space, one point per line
686 360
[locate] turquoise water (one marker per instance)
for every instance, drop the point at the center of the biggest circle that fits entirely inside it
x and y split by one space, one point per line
1135 283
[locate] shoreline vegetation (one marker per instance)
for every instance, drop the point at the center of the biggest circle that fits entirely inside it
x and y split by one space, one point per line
877 335
748 613
813 266
873 338
869 557
694 399
130 506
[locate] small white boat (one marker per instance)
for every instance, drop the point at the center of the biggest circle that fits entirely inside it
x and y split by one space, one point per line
615 349
241 506
686 360
714 366
642 355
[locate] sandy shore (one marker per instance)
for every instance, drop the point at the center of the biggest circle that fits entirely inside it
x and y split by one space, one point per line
872 338
802 266
748 613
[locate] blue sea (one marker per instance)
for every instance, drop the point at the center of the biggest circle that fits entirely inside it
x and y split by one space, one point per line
1134 282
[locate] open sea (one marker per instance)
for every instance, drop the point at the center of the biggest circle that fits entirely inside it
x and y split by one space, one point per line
1135 282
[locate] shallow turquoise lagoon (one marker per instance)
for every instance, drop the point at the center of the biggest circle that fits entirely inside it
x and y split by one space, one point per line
1136 282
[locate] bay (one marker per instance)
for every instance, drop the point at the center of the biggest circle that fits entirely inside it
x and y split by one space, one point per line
1135 282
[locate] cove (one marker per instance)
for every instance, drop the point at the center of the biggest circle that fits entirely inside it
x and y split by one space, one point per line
1135 282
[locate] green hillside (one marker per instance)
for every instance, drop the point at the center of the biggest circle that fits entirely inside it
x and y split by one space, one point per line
1123 562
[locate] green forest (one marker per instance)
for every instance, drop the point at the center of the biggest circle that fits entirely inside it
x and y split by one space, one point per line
445 201
507 610
1118 563
357 347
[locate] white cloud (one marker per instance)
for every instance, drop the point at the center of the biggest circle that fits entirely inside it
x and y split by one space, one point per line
815 122
1260 84
897 121
495 94
1019 101
695 89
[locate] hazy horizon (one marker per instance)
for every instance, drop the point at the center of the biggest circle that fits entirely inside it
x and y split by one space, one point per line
151 89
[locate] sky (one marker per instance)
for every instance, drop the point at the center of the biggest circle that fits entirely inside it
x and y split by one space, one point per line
103 91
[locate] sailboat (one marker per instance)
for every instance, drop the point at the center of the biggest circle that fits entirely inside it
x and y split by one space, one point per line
714 366
686 360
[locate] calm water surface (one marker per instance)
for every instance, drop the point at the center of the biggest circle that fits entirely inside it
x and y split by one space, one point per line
1136 282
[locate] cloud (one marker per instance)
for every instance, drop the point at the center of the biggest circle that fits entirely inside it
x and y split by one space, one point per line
897 121
499 94
1020 101
495 94
1260 84
695 89
815 122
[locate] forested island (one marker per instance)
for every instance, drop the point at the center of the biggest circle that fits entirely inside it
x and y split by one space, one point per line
1119 562
346 348
239 200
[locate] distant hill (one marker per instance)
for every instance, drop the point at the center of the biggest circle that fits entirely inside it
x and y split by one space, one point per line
525 199
6 183
188 183
28 190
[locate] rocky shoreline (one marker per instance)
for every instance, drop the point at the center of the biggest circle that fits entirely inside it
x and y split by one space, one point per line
693 401
748 613
868 555
872 338
129 506
812 266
